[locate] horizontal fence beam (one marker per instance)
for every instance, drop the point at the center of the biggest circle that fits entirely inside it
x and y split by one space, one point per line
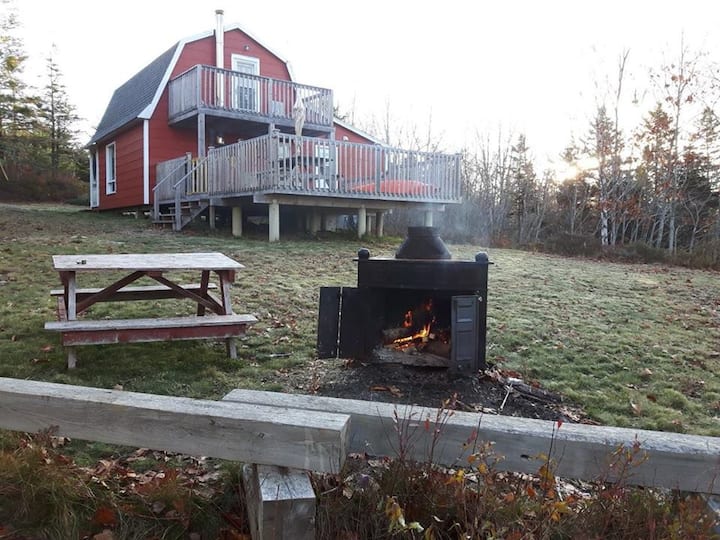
674 461
251 433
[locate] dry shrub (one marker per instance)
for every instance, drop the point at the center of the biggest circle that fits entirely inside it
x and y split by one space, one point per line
402 499
40 490
572 245
44 494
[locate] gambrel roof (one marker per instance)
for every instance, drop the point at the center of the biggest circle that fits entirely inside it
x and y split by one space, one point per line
132 98
138 97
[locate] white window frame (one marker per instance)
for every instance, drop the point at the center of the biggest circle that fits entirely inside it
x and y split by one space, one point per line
111 169
243 84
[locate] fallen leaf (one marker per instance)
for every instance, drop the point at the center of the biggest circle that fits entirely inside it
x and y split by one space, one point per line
637 411
118 387
47 348
105 535
652 397
105 516
645 373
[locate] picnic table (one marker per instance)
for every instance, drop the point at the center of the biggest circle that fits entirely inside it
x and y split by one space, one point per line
74 301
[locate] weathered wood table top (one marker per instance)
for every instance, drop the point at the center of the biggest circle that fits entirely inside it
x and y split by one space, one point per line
150 262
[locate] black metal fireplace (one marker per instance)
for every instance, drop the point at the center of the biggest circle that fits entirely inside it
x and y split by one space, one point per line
421 304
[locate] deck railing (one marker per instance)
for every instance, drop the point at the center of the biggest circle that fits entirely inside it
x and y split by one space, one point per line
207 87
316 166
282 163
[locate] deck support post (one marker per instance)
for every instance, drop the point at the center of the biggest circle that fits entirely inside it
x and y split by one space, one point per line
236 221
330 223
362 221
274 221
211 217
380 224
369 226
315 221
428 218
201 135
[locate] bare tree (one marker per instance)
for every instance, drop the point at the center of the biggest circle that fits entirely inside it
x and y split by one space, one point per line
678 83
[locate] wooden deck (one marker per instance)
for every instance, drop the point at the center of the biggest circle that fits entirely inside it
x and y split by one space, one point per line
324 169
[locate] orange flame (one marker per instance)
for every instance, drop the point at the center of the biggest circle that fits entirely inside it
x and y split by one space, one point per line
425 332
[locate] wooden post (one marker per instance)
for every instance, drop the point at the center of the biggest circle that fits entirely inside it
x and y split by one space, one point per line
380 224
71 357
368 227
280 503
331 222
428 221
315 221
237 221
201 135
362 221
211 217
274 221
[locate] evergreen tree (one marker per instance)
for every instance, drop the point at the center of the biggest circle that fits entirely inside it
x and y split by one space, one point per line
525 194
18 109
59 117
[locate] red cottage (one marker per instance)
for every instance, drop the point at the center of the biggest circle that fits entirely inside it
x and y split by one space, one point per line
216 124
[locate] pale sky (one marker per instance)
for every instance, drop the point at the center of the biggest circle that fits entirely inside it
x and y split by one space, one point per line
475 66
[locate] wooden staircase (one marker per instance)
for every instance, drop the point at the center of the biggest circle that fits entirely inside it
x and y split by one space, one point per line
189 210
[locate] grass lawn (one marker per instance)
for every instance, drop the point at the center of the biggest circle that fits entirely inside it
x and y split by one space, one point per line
634 345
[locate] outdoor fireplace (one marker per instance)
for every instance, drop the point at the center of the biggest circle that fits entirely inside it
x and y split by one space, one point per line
419 308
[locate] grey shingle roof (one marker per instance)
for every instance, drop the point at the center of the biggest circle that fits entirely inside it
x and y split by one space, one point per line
130 99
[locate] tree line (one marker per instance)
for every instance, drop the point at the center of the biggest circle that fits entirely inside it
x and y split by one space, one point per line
40 157
651 189
648 190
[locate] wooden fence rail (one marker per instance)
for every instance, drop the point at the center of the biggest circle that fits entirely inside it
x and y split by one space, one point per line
250 433
674 460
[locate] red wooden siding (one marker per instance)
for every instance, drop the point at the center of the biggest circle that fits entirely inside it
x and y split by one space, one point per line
342 132
202 51
166 142
128 169
349 162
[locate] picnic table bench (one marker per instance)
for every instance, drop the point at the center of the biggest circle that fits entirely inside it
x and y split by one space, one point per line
72 301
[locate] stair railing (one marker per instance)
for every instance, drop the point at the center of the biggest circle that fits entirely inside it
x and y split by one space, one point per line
184 185
164 188
189 171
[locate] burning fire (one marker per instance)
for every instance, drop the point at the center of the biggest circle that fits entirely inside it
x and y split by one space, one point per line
422 334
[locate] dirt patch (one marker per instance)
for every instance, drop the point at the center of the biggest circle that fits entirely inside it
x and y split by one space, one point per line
429 387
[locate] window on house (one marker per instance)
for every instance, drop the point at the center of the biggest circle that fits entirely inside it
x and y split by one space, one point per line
110 178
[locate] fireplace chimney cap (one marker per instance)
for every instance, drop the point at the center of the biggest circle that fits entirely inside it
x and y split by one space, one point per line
423 243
